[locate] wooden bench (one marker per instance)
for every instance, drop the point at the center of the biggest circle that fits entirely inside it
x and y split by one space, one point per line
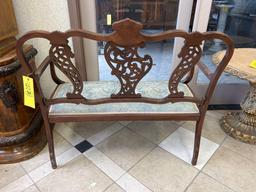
129 98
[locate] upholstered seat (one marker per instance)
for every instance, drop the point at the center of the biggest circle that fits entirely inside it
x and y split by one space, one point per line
123 54
101 89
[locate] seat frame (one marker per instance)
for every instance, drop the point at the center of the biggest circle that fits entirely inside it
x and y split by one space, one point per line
121 54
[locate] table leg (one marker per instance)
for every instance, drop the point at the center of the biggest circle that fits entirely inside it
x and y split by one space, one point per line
242 125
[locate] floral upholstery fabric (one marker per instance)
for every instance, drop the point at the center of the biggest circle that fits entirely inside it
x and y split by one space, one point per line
101 89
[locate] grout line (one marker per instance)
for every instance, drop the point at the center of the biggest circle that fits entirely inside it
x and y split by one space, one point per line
192 181
48 154
139 159
108 187
149 139
219 182
29 177
236 151
220 145
239 154
137 164
125 172
189 163
201 170
37 187
19 177
126 124
135 180
53 170
65 137
72 128
110 136
13 183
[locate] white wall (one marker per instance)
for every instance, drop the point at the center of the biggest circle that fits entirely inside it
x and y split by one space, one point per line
47 15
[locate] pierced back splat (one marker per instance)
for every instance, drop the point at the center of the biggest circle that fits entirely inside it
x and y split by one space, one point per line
190 55
61 55
128 66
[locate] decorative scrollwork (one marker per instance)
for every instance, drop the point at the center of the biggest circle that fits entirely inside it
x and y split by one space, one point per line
61 55
128 66
9 95
190 54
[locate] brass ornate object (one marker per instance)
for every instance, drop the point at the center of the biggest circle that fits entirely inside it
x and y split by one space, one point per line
242 125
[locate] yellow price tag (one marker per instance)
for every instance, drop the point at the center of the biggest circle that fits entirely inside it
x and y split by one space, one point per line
29 96
253 64
109 19
225 9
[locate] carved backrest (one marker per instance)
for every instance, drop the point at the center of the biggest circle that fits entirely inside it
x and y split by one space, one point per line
121 54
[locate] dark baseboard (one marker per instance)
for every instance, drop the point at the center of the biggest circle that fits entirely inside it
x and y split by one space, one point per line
224 107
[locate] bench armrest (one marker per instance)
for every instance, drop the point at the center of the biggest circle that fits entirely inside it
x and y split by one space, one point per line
205 69
39 71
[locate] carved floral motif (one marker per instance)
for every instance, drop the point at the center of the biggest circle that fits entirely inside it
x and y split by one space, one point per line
190 55
61 56
128 66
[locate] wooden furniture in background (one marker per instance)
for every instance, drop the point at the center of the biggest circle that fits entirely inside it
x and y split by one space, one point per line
8 27
241 125
129 99
153 14
21 132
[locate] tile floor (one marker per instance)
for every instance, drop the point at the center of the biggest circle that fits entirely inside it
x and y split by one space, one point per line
137 157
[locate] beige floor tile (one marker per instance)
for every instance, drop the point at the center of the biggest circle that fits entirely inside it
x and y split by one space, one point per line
131 184
244 149
204 183
161 171
46 169
114 188
18 185
68 133
9 173
179 122
181 144
218 114
125 148
87 129
78 175
32 188
155 131
125 123
61 145
211 129
236 171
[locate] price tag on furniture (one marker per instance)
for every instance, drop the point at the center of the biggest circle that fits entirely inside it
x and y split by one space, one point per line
253 64
29 96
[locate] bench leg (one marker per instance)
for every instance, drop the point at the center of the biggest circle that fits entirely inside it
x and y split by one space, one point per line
199 126
49 136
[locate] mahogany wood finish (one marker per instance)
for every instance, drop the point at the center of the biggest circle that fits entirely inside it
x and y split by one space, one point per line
121 54
8 27
21 132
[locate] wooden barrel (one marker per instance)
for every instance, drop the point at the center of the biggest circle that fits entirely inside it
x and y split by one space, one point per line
21 134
